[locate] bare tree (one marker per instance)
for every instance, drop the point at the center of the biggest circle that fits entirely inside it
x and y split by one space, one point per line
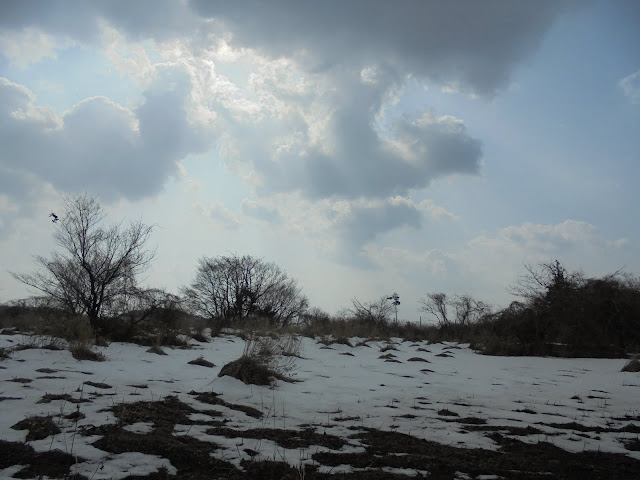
377 311
138 305
97 266
546 278
458 309
236 287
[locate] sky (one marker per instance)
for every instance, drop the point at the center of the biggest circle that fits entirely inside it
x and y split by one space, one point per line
366 147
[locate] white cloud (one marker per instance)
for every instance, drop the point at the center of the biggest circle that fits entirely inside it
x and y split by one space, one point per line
27 46
217 212
129 59
631 86
488 264
435 211
406 262
97 145
539 239
620 243
261 210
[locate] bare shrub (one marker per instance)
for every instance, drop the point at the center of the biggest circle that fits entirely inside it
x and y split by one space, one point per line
202 362
35 315
232 287
565 314
453 310
376 312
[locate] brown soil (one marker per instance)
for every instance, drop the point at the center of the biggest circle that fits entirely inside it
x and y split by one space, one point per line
46 370
53 464
102 386
285 438
50 397
212 399
202 362
514 460
382 450
251 371
164 414
39 427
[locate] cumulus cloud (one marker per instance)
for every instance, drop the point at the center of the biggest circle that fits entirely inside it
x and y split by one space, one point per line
299 96
361 222
342 143
476 43
97 145
310 115
539 239
81 20
27 46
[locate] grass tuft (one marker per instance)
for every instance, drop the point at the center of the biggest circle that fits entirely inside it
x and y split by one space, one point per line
39 427
632 366
264 360
157 349
202 362
81 350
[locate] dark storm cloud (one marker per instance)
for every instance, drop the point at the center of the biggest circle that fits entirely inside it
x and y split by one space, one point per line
367 165
80 19
354 158
475 43
363 222
97 146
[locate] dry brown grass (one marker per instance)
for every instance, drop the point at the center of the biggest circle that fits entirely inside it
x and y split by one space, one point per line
157 349
202 362
82 351
265 359
632 366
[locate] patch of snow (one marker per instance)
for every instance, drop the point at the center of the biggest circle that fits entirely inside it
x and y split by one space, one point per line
121 465
139 427
334 392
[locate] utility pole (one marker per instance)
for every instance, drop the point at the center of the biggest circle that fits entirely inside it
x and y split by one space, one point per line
396 301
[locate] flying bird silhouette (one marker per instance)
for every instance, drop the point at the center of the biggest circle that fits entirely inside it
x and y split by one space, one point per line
54 217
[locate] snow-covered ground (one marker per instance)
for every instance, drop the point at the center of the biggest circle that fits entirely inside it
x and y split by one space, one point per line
434 392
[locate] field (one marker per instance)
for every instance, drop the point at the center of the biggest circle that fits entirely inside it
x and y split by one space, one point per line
367 409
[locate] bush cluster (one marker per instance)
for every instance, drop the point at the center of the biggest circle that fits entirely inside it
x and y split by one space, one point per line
562 314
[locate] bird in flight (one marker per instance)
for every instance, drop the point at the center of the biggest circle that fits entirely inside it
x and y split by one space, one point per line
54 217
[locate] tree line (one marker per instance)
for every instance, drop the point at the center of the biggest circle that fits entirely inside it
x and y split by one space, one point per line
97 267
96 270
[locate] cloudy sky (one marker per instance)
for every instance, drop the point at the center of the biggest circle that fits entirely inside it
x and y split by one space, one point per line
365 146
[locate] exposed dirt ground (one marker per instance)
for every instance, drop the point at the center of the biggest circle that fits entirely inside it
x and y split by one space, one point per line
383 450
